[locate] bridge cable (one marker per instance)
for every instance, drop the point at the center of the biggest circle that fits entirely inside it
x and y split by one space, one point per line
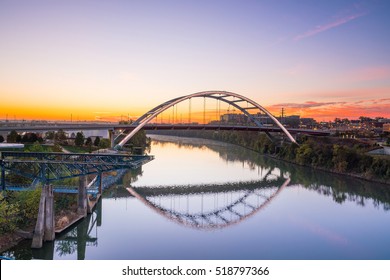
189 112
204 110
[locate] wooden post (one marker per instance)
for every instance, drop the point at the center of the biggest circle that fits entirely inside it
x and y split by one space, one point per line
82 196
49 214
37 241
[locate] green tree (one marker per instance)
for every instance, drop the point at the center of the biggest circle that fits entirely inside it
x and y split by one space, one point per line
380 167
365 163
8 215
344 158
29 204
49 135
139 139
13 137
104 143
97 141
36 148
29 138
88 142
304 154
79 141
57 148
60 135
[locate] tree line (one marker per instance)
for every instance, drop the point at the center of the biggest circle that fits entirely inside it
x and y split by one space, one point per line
345 156
58 137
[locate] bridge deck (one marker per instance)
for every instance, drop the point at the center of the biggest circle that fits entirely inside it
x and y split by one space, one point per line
152 126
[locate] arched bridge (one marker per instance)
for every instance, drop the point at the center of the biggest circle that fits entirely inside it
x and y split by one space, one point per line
237 101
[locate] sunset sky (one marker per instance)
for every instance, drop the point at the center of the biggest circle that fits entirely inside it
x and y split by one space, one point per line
103 59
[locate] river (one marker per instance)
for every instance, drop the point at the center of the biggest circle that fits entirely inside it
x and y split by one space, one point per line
201 199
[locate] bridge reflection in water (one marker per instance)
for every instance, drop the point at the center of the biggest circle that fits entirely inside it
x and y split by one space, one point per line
201 207
208 207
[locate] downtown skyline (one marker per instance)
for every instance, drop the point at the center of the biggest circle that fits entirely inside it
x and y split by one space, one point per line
104 60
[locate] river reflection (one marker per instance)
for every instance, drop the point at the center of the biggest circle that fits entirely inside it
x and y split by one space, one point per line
208 200
215 210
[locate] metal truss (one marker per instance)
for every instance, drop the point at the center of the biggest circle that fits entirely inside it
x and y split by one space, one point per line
47 167
230 98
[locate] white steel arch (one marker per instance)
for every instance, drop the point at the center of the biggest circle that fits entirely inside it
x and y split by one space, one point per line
220 95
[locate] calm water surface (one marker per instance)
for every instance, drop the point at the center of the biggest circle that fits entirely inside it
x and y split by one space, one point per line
201 199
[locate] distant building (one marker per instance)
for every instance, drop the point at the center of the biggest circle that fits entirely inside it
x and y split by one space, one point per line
386 127
264 119
383 120
308 123
234 118
290 121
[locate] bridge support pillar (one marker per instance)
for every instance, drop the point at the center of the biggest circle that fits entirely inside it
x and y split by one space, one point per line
99 213
44 228
82 233
82 196
111 134
49 234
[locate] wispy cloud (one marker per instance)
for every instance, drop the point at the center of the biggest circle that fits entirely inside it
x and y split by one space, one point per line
351 94
305 105
321 28
330 110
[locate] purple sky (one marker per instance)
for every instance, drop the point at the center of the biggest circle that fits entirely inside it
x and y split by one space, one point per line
102 59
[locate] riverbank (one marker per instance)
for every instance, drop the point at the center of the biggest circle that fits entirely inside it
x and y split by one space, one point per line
9 240
62 221
331 154
353 175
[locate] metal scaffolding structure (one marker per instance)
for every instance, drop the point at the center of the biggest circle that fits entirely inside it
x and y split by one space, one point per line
48 167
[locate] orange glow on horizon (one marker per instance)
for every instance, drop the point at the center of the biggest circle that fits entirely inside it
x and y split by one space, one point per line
30 109
325 113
